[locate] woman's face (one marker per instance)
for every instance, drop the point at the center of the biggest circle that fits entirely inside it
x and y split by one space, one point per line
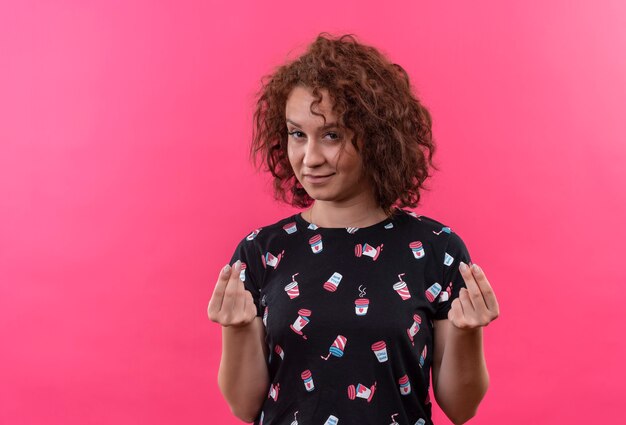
327 170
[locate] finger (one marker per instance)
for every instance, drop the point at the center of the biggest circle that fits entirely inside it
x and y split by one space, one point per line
215 303
485 288
240 299
250 306
230 292
474 290
466 302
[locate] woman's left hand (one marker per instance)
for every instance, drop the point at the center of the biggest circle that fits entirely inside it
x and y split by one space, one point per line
476 305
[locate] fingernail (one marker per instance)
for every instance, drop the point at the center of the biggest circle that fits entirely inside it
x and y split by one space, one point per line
463 266
475 267
238 264
226 269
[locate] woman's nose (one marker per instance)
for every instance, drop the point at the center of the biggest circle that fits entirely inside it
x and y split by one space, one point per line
313 155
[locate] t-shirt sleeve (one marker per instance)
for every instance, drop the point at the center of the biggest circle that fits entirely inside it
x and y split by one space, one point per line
252 269
453 281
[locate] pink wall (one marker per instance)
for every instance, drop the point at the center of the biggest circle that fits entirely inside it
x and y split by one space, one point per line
124 187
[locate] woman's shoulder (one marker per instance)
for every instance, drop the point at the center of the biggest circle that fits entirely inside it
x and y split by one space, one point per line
285 224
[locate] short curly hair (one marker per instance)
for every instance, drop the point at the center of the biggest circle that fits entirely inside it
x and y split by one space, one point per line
372 97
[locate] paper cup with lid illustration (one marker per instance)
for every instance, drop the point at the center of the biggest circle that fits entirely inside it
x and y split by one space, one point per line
332 420
316 243
307 378
380 349
401 288
405 385
423 356
448 259
279 350
415 327
253 234
290 227
417 249
367 249
242 273
270 259
274 389
361 391
333 282
361 305
433 291
301 321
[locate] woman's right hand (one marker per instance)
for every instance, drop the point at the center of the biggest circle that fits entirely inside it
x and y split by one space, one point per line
231 304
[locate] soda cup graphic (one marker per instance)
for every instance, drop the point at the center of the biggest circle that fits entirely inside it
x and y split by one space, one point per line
295 420
332 420
279 350
308 380
366 249
352 230
401 288
292 288
433 291
333 282
448 259
423 356
316 243
418 249
337 348
361 391
415 327
301 321
405 385
380 349
361 305
444 229
290 227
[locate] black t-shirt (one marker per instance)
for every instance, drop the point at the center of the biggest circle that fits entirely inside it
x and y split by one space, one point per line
348 315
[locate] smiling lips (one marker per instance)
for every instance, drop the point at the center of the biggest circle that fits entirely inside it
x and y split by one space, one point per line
317 178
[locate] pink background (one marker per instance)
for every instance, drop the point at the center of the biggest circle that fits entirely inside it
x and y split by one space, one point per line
125 186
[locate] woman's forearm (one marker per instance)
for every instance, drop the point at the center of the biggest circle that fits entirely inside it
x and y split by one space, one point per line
243 376
463 378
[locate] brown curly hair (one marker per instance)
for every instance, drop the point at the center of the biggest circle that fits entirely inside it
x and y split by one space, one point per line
372 97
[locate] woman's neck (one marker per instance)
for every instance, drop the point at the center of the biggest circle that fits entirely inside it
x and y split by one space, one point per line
357 214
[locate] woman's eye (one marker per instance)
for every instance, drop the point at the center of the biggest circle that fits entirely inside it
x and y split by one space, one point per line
295 133
298 134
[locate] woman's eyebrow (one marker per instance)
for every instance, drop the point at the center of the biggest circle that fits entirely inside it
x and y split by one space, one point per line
324 127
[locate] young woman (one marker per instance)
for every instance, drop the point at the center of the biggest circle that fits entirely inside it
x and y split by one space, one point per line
338 314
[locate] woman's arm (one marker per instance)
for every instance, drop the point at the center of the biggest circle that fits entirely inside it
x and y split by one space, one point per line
460 377
243 376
